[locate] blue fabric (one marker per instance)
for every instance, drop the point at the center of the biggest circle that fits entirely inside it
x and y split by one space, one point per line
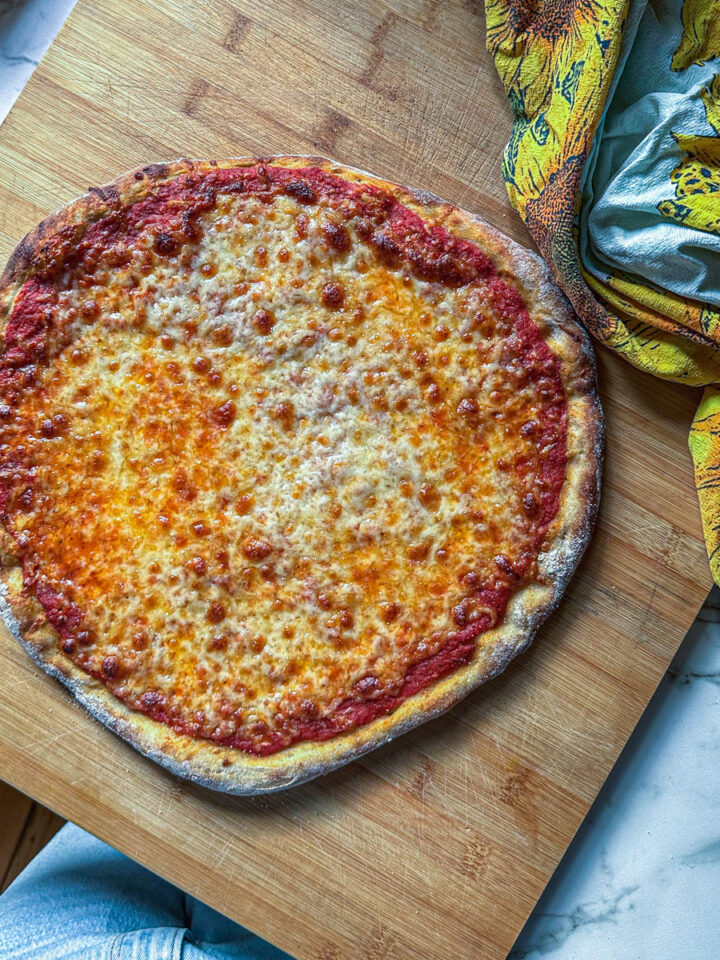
81 900
630 222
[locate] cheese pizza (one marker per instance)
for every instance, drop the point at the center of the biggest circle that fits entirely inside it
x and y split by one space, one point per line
291 459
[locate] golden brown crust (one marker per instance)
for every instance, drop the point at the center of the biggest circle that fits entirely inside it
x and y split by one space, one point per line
224 768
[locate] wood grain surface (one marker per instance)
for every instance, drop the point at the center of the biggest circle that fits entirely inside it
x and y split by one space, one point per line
25 828
439 844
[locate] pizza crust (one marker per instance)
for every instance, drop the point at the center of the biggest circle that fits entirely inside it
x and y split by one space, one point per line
225 768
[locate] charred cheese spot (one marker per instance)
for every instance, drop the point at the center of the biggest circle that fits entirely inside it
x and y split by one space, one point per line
337 237
333 295
264 321
298 458
224 415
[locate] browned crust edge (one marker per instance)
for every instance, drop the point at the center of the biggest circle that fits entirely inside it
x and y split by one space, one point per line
201 761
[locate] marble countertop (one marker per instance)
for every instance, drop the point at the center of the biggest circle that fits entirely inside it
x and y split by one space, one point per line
641 879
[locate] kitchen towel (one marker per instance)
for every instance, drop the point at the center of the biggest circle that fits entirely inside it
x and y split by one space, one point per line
614 164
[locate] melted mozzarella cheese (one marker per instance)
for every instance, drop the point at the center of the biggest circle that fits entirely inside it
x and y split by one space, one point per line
262 486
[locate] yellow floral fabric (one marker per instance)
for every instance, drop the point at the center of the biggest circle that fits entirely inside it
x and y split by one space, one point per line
701 34
557 60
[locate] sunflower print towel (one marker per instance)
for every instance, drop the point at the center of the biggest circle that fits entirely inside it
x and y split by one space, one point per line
614 164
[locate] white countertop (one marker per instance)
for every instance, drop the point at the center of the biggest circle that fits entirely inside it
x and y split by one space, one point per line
642 877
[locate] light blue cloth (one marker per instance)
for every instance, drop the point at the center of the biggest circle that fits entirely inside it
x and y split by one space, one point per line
626 224
81 900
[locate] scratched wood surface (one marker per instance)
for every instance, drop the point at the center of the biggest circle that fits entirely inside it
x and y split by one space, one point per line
439 844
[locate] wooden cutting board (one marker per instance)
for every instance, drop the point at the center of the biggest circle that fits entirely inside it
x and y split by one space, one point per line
438 845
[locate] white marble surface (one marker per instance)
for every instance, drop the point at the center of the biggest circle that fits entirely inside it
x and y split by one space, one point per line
642 877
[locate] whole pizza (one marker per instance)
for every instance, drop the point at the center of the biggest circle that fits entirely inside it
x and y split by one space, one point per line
291 459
